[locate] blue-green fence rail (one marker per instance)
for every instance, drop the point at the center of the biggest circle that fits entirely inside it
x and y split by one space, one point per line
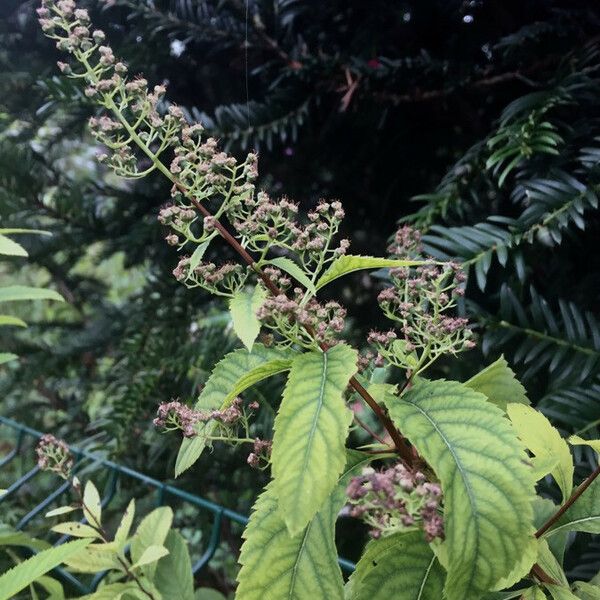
164 492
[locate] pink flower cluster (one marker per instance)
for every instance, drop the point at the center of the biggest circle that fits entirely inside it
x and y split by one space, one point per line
396 499
260 454
54 455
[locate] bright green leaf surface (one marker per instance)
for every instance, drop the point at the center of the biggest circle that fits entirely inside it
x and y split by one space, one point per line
9 320
488 489
586 591
498 384
150 555
7 357
401 566
92 505
124 527
544 441
276 566
243 307
310 431
92 559
173 576
349 264
76 529
575 440
20 576
23 292
231 376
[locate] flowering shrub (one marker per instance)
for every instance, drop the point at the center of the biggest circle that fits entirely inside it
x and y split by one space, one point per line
453 511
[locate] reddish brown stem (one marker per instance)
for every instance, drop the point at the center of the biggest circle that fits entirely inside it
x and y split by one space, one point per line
401 447
574 497
370 431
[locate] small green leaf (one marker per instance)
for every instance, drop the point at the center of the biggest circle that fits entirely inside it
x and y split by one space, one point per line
548 562
7 357
534 593
349 264
575 440
92 505
198 254
208 594
52 586
122 533
60 511
173 577
76 530
19 577
488 489
310 431
21 292
291 268
243 307
543 441
499 384
152 531
9 247
10 320
235 373
112 591
401 566
150 555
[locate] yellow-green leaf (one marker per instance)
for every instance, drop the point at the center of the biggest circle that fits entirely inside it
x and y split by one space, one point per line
244 306
235 373
488 488
10 320
76 530
152 531
150 555
122 533
544 441
583 515
276 565
349 264
93 559
499 385
61 510
575 440
7 357
310 432
173 577
92 505
291 268
22 292
9 247
401 566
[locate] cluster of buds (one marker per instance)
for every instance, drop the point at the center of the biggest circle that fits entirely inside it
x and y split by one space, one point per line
174 415
265 223
421 301
260 456
303 322
222 280
54 455
394 500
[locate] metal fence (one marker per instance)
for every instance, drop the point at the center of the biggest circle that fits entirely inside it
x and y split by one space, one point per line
164 494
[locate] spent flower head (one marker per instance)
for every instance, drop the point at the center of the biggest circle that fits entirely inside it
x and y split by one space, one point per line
396 499
54 455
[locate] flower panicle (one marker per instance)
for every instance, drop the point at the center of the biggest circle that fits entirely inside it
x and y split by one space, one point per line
54 455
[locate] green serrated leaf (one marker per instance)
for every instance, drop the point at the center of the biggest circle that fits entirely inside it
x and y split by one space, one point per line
243 307
559 592
112 591
499 385
152 531
310 431
488 489
549 564
173 577
9 247
583 515
22 292
533 593
276 565
291 268
23 574
92 505
401 566
76 530
543 440
349 264
231 376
